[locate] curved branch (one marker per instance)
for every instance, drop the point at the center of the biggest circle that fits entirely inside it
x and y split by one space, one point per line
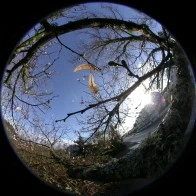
150 55
120 98
35 105
47 35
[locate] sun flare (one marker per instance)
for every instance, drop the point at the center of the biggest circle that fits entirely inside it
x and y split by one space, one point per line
142 97
146 99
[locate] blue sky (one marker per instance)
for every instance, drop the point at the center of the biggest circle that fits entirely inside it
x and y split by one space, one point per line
64 82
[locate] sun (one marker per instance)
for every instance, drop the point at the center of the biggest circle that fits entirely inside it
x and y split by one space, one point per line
142 97
136 101
146 99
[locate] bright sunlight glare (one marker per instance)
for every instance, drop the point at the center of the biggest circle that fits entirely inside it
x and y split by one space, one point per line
138 99
142 97
146 99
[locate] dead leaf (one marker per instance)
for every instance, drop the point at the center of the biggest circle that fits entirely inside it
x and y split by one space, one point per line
86 67
91 83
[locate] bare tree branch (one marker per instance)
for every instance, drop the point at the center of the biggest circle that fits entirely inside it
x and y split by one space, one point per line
120 98
81 24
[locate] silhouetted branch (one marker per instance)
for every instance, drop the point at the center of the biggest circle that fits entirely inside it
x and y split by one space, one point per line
47 35
120 98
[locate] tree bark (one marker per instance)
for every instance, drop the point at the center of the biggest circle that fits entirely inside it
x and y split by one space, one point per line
51 33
